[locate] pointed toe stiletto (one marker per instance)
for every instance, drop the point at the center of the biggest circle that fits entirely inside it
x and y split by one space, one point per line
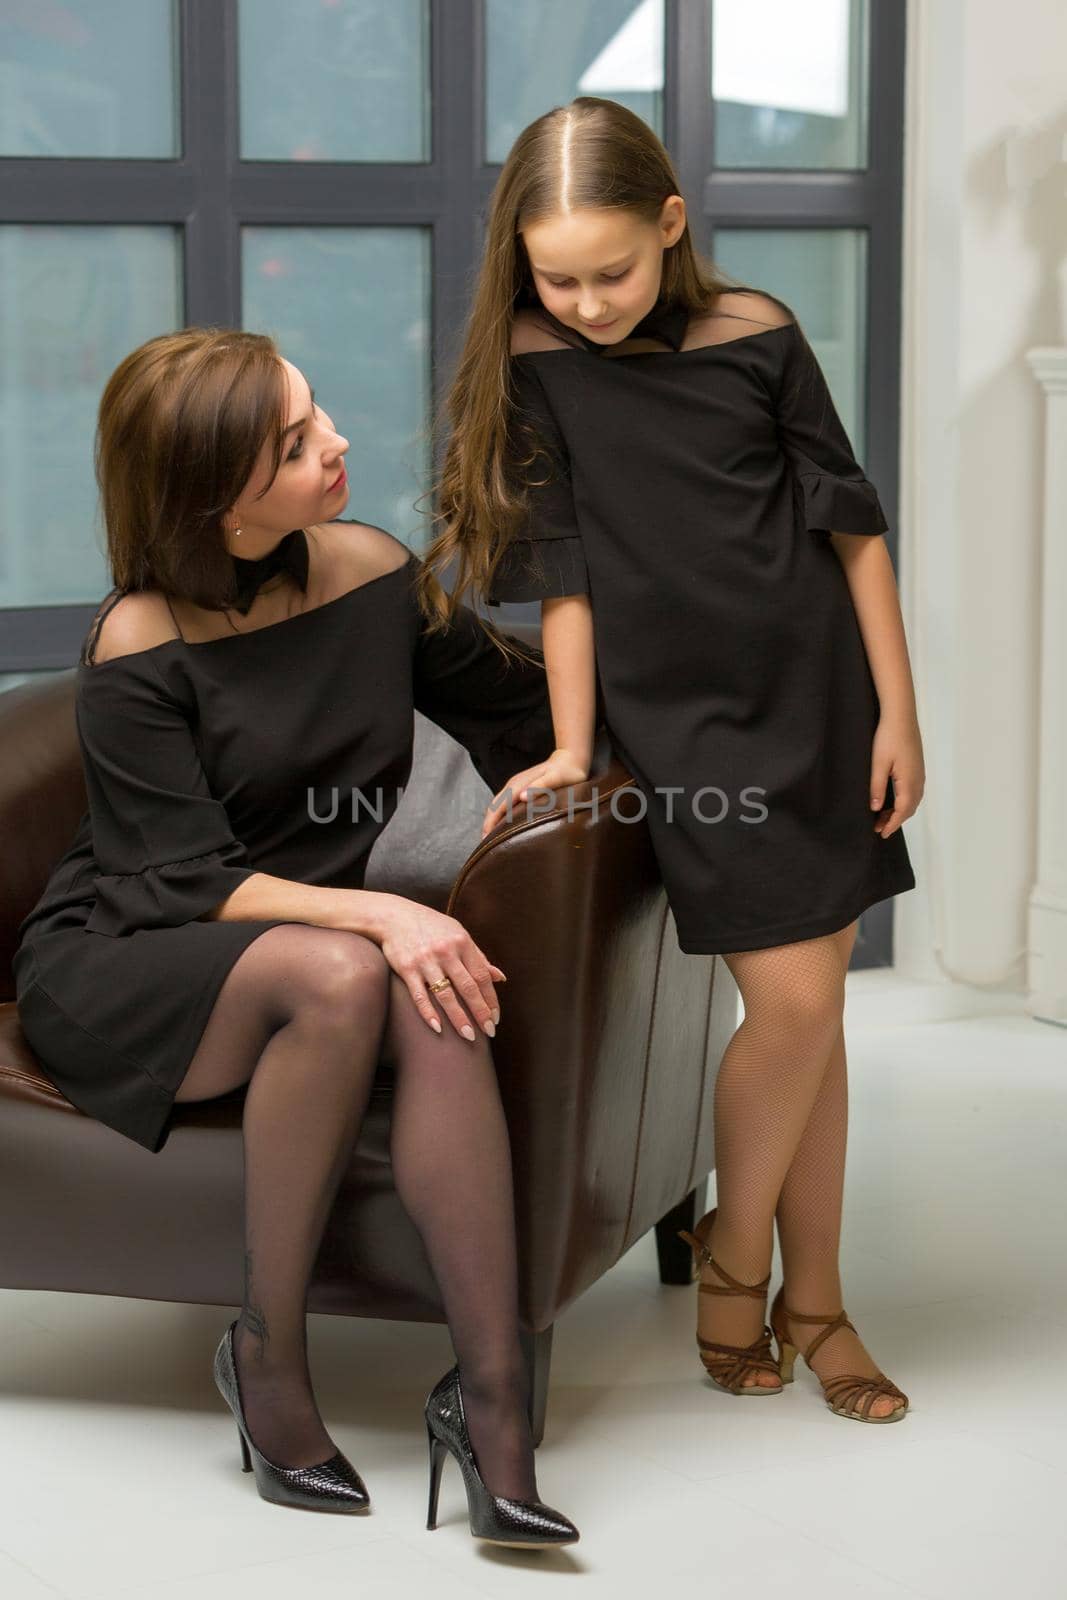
728 1365
495 1518
847 1394
332 1485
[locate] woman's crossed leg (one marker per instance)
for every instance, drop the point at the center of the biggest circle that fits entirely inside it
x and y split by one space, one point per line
304 1017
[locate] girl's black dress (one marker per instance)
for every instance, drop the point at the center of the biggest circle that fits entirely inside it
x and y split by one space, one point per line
691 494
207 762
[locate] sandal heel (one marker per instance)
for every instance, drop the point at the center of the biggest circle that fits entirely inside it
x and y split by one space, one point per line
729 1365
848 1395
695 1249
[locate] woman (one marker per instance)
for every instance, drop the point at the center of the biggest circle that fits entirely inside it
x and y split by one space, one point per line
208 929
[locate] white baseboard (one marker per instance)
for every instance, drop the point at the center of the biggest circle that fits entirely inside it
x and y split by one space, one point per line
879 998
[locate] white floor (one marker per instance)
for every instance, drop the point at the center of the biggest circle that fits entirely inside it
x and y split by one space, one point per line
119 1467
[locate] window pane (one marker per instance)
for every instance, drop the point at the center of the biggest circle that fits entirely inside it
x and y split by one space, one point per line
789 82
85 79
822 274
73 302
351 308
334 80
540 56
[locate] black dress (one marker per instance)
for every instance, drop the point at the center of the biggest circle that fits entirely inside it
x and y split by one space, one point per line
691 494
207 762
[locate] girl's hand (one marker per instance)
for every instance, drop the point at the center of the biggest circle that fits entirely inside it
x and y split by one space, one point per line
422 946
560 770
898 754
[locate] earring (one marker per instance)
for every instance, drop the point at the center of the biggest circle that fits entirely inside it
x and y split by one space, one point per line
237 532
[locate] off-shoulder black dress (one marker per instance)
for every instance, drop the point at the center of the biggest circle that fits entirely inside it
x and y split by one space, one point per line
691 493
207 762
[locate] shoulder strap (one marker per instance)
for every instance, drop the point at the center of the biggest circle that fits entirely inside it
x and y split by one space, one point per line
108 604
174 619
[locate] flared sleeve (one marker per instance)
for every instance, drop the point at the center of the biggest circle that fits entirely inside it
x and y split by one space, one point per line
162 843
545 559
496 707
833 494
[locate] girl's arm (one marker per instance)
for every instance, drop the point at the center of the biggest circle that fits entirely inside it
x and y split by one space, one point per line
545 561
836 501
567 643
873 586
897 750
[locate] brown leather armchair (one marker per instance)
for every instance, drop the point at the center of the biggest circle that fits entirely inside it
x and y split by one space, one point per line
607 1050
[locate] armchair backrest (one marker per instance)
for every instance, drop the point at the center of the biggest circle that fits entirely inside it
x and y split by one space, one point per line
42 799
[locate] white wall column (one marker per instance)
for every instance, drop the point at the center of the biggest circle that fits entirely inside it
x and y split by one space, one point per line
1047 942
982 258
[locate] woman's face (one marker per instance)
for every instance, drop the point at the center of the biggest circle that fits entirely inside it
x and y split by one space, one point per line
600 270
311 484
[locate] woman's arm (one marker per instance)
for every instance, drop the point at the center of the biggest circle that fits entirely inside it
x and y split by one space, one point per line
263 898
417 941
496 707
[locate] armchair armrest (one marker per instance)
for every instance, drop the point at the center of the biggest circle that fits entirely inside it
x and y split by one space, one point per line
599 1003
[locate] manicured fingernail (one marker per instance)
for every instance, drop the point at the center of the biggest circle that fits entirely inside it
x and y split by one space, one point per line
490 1029
435 1024
495 1016
467 1031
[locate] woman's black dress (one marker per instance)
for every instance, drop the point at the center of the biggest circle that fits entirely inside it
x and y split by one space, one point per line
691 494
205 763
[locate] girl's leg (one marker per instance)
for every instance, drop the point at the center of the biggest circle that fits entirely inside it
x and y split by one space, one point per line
767 1084
809 1217
300 1019
452 1167
809 1206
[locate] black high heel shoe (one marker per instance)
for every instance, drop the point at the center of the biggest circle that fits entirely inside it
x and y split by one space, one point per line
332 1485
493 1517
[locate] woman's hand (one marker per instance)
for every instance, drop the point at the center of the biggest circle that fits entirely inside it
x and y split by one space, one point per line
422 946
561 769
897 753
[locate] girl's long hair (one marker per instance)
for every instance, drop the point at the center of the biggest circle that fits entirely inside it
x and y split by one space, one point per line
613 161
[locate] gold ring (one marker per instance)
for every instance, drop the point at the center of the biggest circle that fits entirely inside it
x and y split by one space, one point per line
443 983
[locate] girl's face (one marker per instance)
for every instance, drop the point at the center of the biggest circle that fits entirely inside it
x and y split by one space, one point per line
311 485
600 270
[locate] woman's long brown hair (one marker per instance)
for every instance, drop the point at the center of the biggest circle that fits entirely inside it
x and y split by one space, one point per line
614 161
181 423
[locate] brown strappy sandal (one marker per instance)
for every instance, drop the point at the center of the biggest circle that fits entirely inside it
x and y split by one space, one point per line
847 1395
728 1365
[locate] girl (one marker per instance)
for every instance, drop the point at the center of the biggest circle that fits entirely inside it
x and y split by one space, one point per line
208 928
655 455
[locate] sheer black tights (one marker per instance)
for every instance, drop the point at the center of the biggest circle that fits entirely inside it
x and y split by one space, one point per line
303 1018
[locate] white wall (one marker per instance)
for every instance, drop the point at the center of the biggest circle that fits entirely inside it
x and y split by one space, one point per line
980 276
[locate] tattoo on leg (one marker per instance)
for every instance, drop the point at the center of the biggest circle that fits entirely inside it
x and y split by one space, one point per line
252 1316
